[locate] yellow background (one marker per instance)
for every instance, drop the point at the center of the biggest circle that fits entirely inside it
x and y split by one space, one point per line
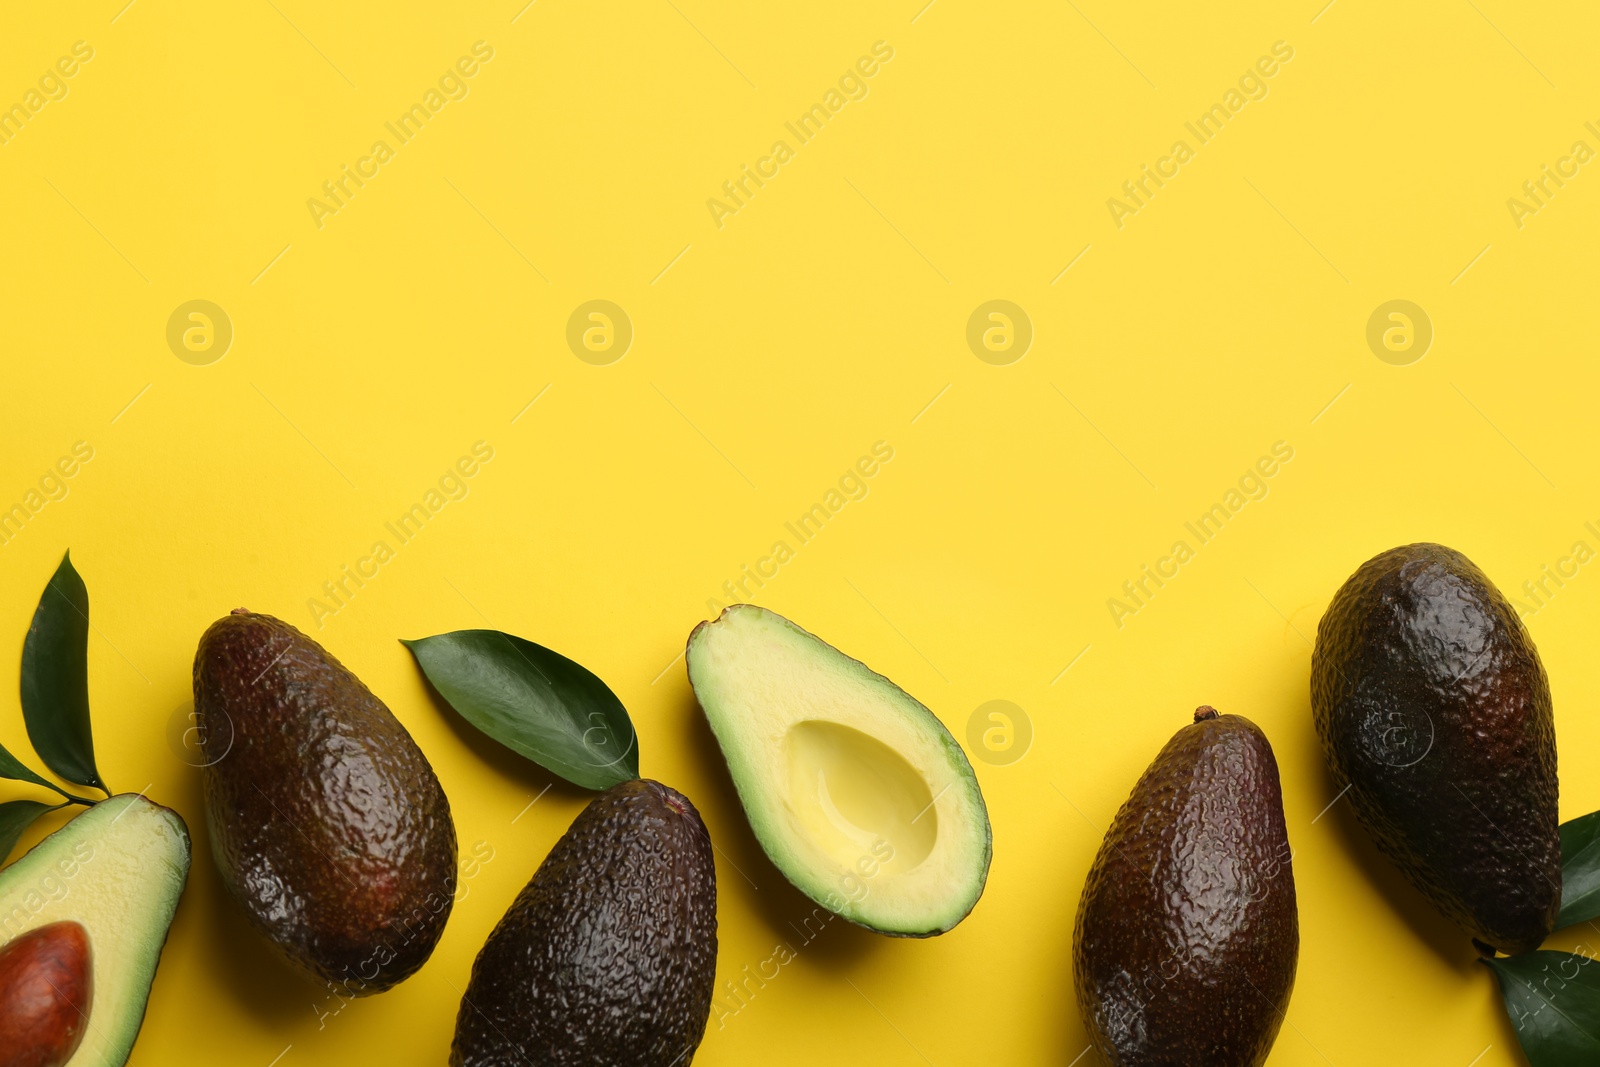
769 354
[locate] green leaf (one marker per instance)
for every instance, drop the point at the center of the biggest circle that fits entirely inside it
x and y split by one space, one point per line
535 702
14 769
1580 870
1553 999
55 679
15 817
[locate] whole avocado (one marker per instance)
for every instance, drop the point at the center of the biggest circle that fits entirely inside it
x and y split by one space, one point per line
327 823
609 955
1188 931
1434 712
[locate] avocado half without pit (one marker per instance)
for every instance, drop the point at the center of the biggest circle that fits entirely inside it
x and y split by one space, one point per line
856 791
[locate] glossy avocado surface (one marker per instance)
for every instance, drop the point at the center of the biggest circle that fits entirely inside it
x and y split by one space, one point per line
1434 710
609 955
327 823
1188 934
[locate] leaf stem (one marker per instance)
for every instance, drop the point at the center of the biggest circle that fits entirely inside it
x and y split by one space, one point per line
72 799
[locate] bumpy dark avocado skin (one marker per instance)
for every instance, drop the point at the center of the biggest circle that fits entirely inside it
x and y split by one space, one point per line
609 955
327 822
1434 709
1188 933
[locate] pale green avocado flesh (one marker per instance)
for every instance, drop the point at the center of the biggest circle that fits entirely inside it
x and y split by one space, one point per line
857 792
118 870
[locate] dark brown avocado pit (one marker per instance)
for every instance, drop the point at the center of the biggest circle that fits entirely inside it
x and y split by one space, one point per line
46 986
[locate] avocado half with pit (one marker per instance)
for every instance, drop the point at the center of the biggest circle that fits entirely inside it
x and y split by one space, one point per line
856 791
92 901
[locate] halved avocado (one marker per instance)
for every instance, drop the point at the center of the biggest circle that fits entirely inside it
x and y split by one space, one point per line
857 792
118 871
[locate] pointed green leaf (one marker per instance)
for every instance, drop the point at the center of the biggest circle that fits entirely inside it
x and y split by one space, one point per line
15 817
1580 870
55 679
1553 999
14 769
535 702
